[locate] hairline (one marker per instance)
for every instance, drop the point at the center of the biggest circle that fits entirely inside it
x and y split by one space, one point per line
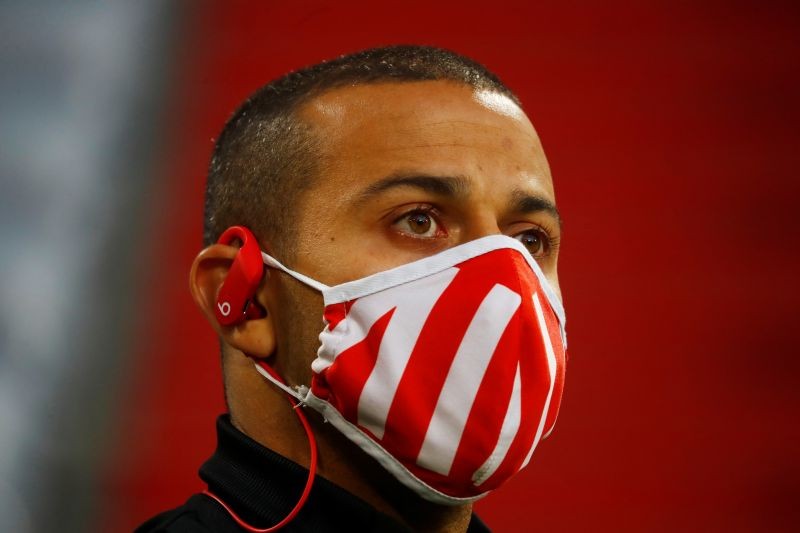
306 144
296 112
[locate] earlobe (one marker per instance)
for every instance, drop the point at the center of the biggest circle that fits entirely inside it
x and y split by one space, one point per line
253 333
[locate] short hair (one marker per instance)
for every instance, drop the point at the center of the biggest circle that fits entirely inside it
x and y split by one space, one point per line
266 156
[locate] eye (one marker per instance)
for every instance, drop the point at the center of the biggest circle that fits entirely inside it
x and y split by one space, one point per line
418 223
537 242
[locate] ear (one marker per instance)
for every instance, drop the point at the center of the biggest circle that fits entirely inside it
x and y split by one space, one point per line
253 336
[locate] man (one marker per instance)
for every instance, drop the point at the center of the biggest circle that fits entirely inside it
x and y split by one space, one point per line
408 187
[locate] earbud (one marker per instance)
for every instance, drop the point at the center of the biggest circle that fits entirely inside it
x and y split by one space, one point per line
235 298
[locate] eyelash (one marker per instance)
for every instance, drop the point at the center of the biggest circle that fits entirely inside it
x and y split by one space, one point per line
552 240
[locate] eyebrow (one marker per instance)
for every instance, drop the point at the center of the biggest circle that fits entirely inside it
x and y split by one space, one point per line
447 186
526 203
458 186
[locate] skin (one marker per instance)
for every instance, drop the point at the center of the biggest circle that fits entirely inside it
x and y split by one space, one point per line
409 170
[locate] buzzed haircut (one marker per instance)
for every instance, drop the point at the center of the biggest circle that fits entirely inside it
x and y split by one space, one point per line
266 156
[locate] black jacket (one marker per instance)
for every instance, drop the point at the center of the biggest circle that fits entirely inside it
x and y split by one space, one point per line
262 487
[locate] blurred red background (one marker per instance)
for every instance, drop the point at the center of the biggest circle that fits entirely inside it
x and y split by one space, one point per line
672 133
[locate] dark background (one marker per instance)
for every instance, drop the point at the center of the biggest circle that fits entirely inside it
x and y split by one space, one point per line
672 133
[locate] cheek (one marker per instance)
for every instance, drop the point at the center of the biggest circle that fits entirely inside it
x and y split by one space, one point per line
552 278
352 254
299 325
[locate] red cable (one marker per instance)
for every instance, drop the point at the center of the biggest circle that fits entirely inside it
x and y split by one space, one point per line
312 470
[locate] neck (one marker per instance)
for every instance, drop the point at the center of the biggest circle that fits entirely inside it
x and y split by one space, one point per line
262 411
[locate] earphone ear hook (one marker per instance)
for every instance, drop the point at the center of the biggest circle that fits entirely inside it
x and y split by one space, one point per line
235 299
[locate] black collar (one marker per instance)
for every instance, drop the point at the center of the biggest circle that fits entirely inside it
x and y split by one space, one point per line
262 487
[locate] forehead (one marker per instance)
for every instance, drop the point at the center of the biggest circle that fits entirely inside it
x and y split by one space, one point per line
434 127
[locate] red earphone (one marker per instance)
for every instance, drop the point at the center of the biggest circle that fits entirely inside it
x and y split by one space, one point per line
235 304
235 298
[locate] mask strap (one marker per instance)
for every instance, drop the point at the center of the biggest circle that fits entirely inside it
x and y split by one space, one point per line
274 263
265 370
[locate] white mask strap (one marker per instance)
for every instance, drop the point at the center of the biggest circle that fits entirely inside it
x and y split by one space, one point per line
274 263
300 394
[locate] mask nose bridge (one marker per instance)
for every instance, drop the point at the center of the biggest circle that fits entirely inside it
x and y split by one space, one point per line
517 264
546 289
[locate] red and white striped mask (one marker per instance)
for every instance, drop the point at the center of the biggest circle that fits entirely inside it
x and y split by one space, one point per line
448 370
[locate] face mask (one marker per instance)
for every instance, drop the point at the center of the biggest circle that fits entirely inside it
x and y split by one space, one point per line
447 370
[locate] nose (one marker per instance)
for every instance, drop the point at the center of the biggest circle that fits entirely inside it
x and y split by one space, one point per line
481 223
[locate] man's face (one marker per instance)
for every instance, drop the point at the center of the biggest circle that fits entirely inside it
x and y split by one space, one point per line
409 170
